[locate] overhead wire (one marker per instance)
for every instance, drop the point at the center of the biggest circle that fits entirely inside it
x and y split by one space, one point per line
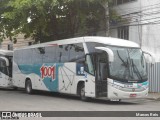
145 8
142 16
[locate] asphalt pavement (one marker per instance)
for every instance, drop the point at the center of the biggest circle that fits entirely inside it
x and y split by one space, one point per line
18 100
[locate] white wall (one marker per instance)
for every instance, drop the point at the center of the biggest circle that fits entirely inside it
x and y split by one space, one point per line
126 10
148 11
150 32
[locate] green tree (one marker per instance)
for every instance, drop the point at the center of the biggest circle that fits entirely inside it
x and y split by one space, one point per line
48 20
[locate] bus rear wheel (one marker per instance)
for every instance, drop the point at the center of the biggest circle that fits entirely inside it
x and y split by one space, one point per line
28 87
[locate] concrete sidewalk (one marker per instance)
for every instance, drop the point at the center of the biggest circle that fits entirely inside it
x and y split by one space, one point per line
153 96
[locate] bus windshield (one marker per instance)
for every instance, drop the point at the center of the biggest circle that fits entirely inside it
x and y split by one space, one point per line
129 64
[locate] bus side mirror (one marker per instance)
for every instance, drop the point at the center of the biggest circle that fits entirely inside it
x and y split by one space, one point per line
150 58
5 60
109 51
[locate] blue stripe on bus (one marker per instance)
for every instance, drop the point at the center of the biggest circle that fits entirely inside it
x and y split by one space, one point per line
51 84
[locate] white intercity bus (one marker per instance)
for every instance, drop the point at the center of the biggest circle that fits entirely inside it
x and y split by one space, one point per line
91 67
6 68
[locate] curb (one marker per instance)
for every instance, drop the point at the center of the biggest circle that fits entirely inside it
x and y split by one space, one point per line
153 96
157 99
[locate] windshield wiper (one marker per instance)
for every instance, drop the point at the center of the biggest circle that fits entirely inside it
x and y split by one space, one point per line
135 69
126 65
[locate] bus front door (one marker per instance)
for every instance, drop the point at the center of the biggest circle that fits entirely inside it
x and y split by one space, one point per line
101 74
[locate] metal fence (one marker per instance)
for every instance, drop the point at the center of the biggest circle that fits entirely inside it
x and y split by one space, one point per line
154 77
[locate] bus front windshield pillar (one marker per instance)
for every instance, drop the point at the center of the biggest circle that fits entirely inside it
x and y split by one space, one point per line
89 65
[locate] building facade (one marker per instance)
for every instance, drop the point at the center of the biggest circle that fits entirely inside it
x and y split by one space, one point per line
21 42
141 24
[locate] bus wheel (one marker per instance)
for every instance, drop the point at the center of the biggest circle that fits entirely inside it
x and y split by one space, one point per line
82 93
15 88
28 87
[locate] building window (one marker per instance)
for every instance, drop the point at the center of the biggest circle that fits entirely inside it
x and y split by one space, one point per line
10 46
29 43
123 32
118 2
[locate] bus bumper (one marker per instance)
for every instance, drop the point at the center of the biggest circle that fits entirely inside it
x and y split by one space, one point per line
114 93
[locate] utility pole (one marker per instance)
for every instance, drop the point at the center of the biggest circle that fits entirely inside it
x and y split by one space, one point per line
105 5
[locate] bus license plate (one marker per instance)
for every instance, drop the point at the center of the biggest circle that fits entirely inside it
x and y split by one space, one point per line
133 95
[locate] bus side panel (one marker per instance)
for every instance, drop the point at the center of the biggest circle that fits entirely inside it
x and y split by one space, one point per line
48 73
42 76
70 74
66 79
18 77
5 80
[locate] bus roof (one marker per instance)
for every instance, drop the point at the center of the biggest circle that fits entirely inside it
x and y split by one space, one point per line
104 40
112 41
6 52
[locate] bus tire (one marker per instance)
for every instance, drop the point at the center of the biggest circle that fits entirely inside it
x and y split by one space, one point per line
15 88
82 93
28 87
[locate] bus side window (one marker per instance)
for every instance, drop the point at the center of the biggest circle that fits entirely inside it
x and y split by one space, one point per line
50 54
76 52
85 66
62 54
